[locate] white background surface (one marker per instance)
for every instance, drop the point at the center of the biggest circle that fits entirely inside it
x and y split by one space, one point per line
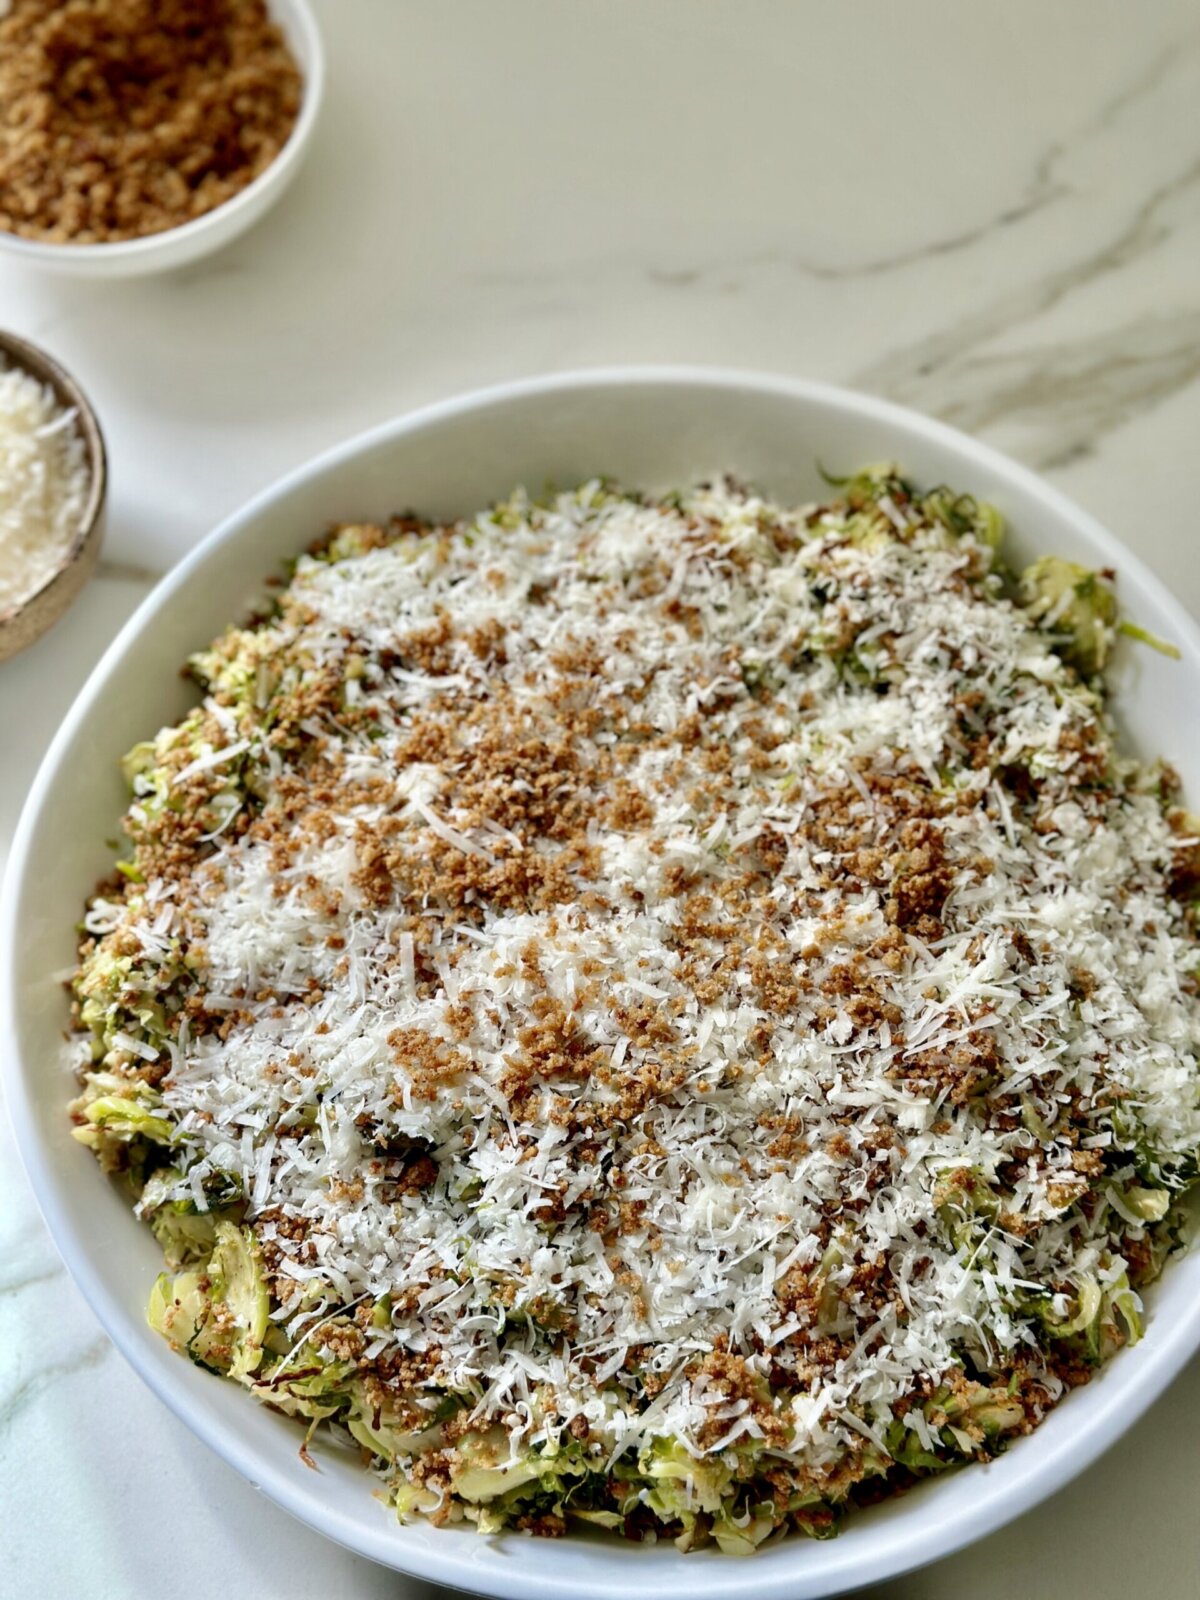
990 212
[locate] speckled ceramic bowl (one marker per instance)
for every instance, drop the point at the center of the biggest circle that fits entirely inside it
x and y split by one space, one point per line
29 620
650 428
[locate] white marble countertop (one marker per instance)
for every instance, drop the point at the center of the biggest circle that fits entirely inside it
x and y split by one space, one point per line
989 212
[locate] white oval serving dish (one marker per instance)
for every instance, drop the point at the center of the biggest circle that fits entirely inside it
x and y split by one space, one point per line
649 428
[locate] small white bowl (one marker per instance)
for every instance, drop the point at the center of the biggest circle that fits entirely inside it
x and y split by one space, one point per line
175 247
652 429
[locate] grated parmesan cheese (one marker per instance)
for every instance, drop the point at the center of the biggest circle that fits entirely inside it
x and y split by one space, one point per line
43 485
700 970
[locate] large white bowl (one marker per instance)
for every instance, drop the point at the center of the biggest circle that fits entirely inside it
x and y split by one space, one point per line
175 247
650 428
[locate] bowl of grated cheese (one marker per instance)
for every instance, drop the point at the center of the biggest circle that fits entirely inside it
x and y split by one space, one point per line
653 430
53 480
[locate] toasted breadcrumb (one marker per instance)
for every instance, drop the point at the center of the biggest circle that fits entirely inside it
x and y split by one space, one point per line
121 118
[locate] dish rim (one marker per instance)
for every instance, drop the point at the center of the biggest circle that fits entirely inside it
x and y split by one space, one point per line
1112 1410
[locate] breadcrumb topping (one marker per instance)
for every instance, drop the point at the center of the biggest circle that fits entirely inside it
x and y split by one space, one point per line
121 118
700 967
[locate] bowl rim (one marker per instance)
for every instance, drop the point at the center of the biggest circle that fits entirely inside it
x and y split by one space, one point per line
1062 1457
32 359
148 244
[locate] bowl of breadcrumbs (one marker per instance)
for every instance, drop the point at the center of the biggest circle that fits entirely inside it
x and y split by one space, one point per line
137 135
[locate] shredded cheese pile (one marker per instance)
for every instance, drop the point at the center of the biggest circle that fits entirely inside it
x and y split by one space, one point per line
43 485
700 967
